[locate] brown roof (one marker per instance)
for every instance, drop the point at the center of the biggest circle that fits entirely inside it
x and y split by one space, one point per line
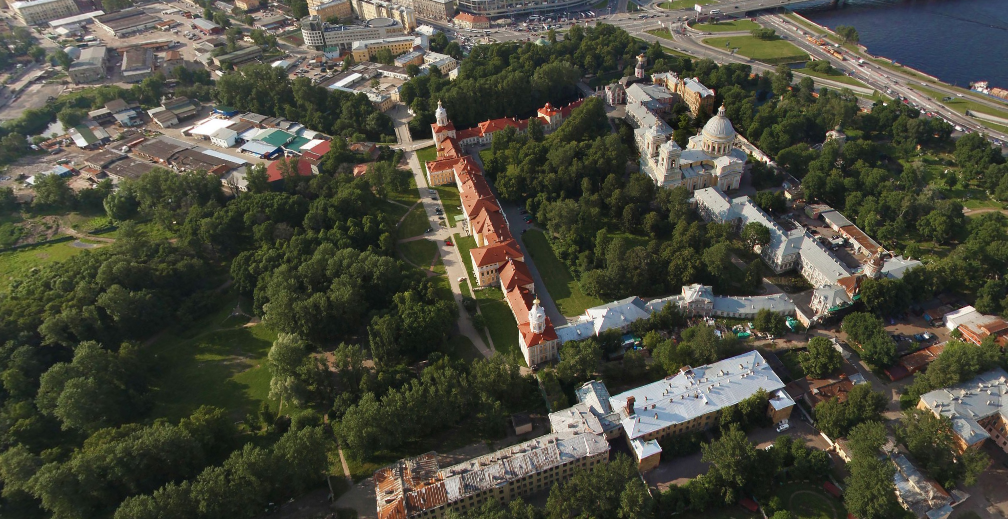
496 254
859 236
919 359
515 274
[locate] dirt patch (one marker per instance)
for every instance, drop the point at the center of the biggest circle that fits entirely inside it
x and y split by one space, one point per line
39 230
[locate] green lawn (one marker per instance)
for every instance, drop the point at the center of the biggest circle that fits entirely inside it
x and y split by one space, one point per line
151 229
393 210
500 321
961 104
728 26
769 51
464 243
460 347
676 5
809 501
418 252
217 361
562 287
838 77
415 223
451 202
425 155
13 264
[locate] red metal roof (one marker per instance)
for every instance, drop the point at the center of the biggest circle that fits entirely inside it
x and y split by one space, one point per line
515 274
273 170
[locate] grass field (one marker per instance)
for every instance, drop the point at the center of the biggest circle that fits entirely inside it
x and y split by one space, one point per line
562 287
839 77
418 252
961 104
769 51
393 210
415 223
808 501
425 155
460 347
217 361
675 5
728 26
500 323
13 264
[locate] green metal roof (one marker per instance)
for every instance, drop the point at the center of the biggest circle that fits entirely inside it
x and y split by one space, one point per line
86 134
275 137
295 145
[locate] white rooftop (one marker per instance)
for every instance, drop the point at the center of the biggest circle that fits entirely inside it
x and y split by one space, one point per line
968 403
617 314
897 266
694 392
209 126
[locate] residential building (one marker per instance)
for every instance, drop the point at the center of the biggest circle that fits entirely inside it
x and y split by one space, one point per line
365 50
710 159
443 62
336 39
688 401
419 487
37 12
434 9
126 22
694 301
382 102
615 94
787 250
501 8
90 66
975 326
696 96
248 5
977 409
137 64
371 9
919 494
337 9
471 21
410 58
654 98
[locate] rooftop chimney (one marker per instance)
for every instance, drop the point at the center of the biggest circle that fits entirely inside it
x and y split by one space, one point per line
629 405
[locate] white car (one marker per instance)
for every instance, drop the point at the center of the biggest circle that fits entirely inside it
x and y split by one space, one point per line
783 426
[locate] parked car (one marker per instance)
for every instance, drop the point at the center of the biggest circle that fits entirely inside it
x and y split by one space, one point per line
783 426
448 242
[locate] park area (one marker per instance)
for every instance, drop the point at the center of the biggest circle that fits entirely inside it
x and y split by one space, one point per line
773 51
728 26
219 361
562 287
676 5
834 75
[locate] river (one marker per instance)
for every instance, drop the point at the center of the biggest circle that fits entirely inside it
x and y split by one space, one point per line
958 41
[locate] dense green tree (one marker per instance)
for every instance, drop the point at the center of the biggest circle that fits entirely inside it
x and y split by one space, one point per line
821 359
869 493
770 323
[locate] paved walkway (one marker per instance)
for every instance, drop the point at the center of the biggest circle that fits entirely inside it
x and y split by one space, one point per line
450 257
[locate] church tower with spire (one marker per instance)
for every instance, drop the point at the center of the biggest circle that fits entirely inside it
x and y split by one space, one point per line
442 127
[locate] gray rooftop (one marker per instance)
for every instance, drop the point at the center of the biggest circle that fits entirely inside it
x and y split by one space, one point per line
694 393
968 403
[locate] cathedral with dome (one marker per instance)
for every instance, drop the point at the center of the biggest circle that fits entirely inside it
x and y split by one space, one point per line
711 158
